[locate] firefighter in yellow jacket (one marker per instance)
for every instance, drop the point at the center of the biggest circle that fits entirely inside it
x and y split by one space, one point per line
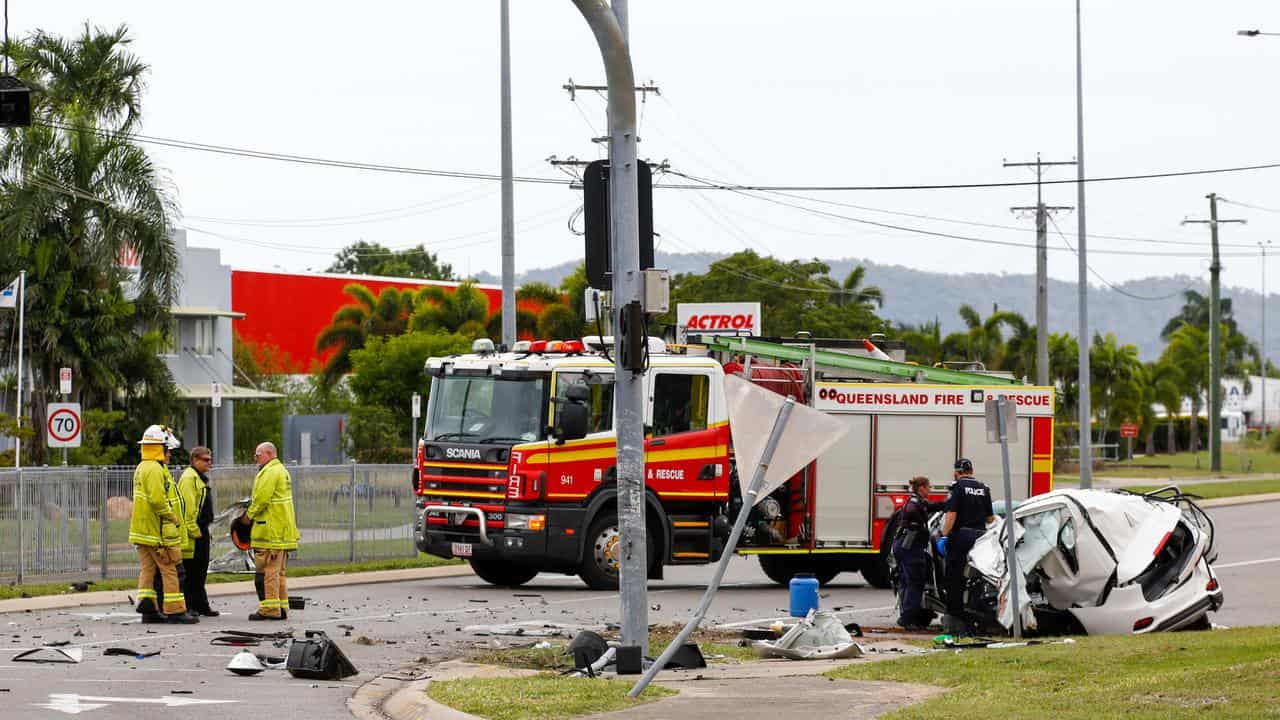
156 528
275 531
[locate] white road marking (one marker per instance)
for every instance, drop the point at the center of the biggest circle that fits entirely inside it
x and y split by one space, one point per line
1246 563
73 704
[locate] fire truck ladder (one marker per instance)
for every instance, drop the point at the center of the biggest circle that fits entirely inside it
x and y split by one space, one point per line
890 369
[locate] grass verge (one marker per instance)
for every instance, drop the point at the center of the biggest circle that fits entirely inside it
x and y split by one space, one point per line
8 592
1219 674
557 657
1233 488
538 696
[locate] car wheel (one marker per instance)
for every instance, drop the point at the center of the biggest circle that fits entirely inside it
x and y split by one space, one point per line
502 574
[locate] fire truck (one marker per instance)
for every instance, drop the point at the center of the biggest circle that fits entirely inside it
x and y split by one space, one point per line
508 482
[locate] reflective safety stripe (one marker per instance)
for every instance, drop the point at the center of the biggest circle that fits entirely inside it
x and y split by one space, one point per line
172 597
282 501
145 594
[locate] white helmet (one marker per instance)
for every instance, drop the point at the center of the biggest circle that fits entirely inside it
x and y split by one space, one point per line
245 663
160 435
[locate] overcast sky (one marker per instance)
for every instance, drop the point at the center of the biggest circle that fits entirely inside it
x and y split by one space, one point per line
779 93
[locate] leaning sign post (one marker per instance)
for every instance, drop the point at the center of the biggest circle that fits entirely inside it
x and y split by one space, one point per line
1002 428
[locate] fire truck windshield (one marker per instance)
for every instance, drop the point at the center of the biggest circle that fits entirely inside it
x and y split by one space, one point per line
485 408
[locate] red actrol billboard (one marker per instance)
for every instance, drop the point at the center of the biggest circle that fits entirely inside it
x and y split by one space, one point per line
289 310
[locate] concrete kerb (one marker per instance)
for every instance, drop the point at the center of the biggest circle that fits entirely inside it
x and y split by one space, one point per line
697 691
109 597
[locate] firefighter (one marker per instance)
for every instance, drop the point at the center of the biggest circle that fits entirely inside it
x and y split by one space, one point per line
968 512
156 529
909 552
193 489
275 531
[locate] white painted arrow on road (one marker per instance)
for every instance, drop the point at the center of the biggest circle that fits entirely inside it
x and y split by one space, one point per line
73 704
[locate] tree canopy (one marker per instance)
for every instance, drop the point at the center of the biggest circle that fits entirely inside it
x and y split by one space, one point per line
366 258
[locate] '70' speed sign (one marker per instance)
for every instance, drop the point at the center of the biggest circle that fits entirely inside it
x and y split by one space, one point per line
63 425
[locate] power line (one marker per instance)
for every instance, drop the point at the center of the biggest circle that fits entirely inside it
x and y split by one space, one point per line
717 185
1104 281
965 238
703 184
1246 205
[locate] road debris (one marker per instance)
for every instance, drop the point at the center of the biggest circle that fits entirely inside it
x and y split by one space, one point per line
245 663
527 628
820 636
51 655
127 651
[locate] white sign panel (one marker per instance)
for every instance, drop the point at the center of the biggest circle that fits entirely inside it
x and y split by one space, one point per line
417 405
737 318
927 399
215 395
64 381
63 425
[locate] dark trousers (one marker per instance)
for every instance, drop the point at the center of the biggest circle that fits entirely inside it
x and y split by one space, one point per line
912 566
959 543
197 571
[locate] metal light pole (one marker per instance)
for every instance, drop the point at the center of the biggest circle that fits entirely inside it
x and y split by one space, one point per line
628 386
1263 246
1255 33
508 189
1086 456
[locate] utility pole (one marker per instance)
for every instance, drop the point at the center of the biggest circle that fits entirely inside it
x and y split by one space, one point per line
609 27
1215 332
508 188
1082 277
1263 244
1042 264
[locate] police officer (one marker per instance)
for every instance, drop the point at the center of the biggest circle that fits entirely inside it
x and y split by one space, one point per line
908 551
197 506
968 512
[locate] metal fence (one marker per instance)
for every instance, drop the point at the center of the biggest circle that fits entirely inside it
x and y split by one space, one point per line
73 522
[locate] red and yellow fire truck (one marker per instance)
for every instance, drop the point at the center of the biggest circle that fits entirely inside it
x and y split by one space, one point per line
503 484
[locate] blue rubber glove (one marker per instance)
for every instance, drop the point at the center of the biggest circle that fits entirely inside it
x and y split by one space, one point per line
942 546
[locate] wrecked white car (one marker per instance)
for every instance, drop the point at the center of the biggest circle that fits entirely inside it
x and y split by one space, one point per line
1096 562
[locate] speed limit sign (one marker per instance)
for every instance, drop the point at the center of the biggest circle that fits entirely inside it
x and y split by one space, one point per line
63 425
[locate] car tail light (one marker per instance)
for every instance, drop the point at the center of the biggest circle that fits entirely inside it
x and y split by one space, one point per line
1211 585
1143 624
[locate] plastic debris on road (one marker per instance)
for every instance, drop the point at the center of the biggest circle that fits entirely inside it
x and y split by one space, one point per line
820 636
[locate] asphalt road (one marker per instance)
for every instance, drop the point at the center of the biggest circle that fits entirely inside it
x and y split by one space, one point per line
427 619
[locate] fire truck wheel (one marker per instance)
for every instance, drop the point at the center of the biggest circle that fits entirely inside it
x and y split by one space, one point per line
502 574
876 572
781 568
600 558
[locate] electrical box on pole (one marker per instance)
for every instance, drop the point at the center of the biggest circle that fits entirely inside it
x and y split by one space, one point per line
595 215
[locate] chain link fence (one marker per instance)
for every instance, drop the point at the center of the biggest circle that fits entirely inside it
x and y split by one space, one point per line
73 522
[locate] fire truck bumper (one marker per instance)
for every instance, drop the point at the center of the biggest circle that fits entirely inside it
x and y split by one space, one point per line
547 539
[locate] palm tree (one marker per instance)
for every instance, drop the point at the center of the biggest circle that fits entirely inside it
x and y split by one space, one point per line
1188 350
980 341
1019 353
852 292
1116 380
1064 364
77 197
463 310
382 316
1163 379
923 341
